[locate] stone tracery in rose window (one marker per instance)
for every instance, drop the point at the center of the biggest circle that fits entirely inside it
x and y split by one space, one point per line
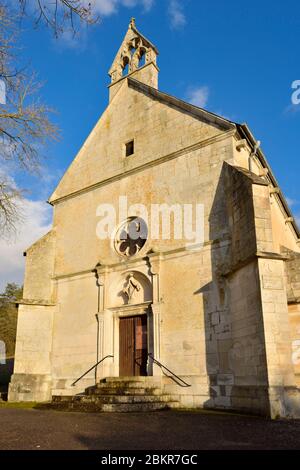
131 237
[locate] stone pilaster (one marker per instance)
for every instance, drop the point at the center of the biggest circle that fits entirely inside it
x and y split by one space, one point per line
155 263
32 379
284 398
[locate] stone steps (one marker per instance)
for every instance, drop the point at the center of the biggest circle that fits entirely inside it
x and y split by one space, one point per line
134 379
123 391
118 394
102 400
110 407
127 385
130 382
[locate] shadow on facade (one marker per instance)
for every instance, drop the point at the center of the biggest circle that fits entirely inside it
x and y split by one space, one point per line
234 334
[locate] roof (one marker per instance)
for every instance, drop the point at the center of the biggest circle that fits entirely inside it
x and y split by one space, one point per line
207 116
246 133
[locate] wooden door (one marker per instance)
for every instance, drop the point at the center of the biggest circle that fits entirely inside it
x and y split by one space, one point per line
140 359
126 347
133 346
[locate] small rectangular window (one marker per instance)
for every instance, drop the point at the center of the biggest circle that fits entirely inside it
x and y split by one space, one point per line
129 148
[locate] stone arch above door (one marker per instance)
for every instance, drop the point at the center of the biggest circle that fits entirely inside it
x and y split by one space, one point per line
125 290
130 287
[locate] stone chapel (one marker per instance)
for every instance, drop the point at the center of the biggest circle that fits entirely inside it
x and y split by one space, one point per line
149 322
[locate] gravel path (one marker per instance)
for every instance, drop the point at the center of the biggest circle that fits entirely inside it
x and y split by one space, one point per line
36 429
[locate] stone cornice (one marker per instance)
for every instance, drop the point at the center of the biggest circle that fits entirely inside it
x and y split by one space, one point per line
40 302
271 255
255 179
123 79
135 262
293 300
130 308
251 258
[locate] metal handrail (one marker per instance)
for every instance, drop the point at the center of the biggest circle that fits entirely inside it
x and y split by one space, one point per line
172 373
99 362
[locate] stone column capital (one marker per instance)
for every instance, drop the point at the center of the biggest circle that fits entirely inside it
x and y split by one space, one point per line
155 262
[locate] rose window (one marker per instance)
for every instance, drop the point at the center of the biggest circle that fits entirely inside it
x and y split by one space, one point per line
131 237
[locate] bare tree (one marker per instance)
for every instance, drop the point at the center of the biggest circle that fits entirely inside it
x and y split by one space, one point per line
60 14
10 214
24 122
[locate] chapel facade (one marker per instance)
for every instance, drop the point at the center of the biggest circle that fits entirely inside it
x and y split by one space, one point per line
221 313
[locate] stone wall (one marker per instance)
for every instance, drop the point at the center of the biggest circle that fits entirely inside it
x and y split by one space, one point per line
32 380
234 329
252 368
294 320
180 180
292 273
32 372
246 355
158 129
177 180
40 258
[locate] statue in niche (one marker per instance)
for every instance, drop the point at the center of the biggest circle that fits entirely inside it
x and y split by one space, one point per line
132 286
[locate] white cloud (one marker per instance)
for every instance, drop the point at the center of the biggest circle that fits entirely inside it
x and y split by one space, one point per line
69 40
108 7
198 96
176 14
104 7
291 202
36 218
35 223
129 3
223 115
294 203
148 4
292 109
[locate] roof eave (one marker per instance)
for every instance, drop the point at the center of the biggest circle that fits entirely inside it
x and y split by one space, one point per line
245 130
208 116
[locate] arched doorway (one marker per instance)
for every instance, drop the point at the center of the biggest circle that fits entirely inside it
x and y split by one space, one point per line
129 318
133 325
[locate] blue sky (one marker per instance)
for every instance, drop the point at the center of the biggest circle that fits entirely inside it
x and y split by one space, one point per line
235 58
